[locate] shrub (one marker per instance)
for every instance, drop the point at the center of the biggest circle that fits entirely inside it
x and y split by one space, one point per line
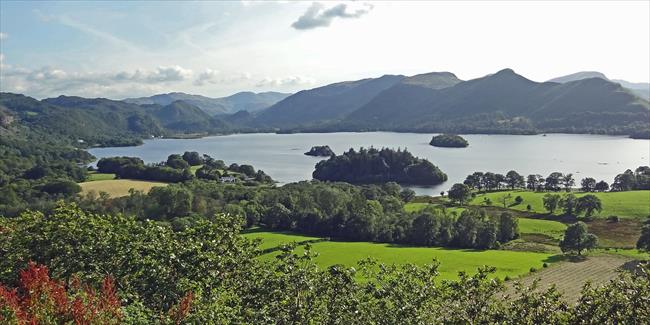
545 265
519 199
533 270
613 219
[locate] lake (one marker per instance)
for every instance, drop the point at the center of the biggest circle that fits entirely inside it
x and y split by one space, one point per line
282 155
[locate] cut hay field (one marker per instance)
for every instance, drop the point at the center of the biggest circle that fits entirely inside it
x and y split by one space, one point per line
452 261
630 204
570 276
118 187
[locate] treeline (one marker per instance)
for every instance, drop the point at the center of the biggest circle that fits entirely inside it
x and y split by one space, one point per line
368 166
556 181
339 210
207 274
177 169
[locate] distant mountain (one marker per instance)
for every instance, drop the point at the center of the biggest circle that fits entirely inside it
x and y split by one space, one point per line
246 101
641 89
328 103
503 102
579 76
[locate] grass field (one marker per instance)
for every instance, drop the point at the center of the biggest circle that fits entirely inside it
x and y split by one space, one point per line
118 187
631 204
271 239
549 228
95 176
193 169
452 260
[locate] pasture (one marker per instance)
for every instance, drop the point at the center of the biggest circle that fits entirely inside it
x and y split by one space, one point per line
630 204
118 187
452 261
95 176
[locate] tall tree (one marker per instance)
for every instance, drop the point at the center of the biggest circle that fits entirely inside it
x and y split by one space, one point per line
514 180
568 181
552 182
588 184
551 202
588 204
460 193
568 203
601 186
577 238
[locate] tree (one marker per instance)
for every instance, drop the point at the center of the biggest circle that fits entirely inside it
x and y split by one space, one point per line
504 199
551 202
568 181
577 238
588 184
519 199
644 240
534 182
624 182
568 203
459 193
514 180
508 227
407 194
552 182
474 181
193 158
176 161
588 204
601 186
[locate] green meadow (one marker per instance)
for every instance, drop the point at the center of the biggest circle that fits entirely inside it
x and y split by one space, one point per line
630 204
452 261
95 176
549 228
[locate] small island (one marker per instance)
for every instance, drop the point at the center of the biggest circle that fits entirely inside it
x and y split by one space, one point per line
449 141
373 166
320 151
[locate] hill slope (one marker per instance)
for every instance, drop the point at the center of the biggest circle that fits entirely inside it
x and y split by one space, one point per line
503 101
331 102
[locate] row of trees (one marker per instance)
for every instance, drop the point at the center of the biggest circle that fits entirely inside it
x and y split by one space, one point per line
572 205
368 166
340 210
556 181
177 169
207 274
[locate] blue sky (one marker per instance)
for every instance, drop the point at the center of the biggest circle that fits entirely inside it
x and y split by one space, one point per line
126 49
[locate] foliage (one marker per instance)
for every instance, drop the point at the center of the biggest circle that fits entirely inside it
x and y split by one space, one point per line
376 166
577 238
459 193
588 204
38 299
644 240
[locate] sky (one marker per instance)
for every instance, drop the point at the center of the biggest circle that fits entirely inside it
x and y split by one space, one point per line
131 49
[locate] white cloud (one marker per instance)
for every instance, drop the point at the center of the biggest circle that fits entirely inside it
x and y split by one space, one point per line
207 76
318 16
49 81
3 35
287 81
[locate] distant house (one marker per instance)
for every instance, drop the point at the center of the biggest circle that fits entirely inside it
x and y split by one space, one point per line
228 179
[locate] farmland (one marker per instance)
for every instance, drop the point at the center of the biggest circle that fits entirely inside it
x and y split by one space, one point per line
452 261
630 204
118 187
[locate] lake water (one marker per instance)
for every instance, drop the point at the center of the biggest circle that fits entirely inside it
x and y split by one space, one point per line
281 155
